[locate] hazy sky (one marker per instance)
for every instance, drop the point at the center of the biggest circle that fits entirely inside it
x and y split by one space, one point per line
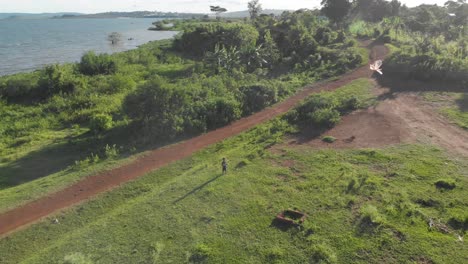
198 6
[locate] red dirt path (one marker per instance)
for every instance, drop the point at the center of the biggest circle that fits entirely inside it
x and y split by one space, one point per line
93 185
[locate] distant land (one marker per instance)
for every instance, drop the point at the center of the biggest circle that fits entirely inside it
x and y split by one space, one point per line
34 16
134 14
245 13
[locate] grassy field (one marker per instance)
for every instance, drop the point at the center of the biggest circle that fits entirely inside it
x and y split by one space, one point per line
452 105
363 206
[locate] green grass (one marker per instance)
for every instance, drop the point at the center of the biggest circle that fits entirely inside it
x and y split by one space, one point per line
452 105
363 206
328 139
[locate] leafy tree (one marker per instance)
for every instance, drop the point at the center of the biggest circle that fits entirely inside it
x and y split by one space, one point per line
100 122
336 10
159 107
256 97
203 38
221 111
114 38
92 64
255 8
218 10
270 49
58 79
375 10
223 58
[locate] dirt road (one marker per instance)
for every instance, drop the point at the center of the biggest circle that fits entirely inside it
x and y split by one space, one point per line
90 186
401 117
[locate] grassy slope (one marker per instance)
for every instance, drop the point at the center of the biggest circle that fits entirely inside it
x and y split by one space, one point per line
452 105
43 163
189 211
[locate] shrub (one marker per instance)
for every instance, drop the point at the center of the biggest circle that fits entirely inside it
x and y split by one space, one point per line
329 139
348 104
56 79
111 152
203 38
100 122
325 117
445 184
19 87
221 111
92 64
256 97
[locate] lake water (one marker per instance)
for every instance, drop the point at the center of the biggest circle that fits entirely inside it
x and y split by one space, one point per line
26 45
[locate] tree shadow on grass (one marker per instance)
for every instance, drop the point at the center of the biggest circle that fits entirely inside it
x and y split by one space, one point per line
196 189
400 83
45 161
65 152
463 103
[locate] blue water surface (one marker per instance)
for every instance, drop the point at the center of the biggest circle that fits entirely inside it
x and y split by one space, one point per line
26 45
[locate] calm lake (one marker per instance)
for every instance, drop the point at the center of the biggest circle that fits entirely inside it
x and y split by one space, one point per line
26 45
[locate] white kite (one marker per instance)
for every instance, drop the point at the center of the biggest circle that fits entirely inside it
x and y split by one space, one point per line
376 66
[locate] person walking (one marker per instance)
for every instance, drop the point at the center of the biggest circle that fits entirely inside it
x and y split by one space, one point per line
224 165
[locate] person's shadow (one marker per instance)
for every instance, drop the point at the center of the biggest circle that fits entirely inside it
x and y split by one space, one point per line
196 189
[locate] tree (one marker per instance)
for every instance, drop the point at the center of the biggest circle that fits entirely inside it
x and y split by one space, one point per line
114 38
218 10
336 10
255 8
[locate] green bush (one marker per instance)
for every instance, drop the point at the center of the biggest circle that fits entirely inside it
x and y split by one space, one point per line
100 122
92 64
221 111
329 139
203 38
19 87
325 117
256 97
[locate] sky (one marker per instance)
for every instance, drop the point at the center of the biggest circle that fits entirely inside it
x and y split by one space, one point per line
192 6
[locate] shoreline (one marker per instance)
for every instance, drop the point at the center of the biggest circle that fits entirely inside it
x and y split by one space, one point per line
25 56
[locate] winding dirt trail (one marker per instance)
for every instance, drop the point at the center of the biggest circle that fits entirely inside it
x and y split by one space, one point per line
93 185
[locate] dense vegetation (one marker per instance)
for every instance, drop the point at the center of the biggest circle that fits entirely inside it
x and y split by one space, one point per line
394 205
363 206
430 43
212 74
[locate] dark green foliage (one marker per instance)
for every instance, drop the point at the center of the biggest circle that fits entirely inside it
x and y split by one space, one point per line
19 87
159 106
256 97
55 79
92 64
325 117
100 122
427 66
375 10
203 38
336 10
221 111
